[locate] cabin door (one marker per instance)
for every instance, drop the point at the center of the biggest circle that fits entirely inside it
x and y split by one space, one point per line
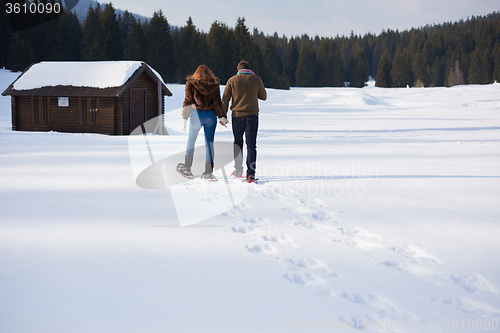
137 107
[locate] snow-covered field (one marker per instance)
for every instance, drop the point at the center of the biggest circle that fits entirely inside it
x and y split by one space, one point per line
378 211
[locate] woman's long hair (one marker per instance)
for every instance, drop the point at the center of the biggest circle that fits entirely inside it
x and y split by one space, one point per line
203 73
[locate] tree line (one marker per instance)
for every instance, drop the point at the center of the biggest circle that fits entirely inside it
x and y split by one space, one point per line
463 52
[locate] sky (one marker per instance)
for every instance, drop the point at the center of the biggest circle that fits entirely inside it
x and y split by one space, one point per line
325 18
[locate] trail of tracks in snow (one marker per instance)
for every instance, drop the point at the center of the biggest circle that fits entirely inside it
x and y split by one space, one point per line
263 223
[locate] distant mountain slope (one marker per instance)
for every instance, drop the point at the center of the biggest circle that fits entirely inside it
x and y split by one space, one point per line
83 6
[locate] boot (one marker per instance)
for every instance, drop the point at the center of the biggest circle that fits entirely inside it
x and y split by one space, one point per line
209 167
184 172
185 168
208 174
188 161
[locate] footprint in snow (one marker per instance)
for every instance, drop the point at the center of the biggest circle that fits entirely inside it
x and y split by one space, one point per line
236 210
376 305
267 242
309 264
300 223
261 249
257 221
416 254
249 225
470 306
408 267
276 238
323 217
243 229
357 237
311 203
416 261
309 280
474 283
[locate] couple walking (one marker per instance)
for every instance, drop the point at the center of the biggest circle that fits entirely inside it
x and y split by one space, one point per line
203 105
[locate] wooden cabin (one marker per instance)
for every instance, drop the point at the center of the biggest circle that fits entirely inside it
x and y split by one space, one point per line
106 97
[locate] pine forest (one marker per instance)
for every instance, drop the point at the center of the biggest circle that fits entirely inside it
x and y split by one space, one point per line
448 54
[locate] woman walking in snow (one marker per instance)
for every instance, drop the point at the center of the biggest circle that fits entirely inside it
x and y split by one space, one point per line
202 105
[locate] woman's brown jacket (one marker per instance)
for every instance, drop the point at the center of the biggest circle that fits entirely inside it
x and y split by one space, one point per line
202 95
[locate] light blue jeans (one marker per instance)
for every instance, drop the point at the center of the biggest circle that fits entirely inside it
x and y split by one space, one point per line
207 120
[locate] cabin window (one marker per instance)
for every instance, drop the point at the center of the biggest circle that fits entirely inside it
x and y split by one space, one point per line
40 109
89 110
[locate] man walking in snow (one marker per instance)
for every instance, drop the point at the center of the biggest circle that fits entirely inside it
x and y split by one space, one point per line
244 89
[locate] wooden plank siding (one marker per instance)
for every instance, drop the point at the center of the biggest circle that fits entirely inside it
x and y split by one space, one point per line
24 116
125 102
65 119
118 116
142 81
13 111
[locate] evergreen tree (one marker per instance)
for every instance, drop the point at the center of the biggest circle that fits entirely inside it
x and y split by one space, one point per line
478 70
368 44
160 53
27 46
272 57
485 57
189 51
496 67
386 42
275 66
466 46
126 23
345 50
20 54
69 38
42 39
437 73
401 75
202 48
281 44
359 72
282 82
93 37
329 64
112 37
243 47
455 76
305 75
323 62
415 49
290 61
258 63
432 55
482 66
383 78
5 35
221 58
136 43
336 69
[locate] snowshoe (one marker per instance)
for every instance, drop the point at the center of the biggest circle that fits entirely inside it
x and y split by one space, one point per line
237 174
184 171
209 177
251 179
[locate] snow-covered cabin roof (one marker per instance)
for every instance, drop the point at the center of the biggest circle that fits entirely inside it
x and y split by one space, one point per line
82 78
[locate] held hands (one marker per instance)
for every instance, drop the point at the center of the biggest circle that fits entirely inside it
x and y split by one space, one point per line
184 125
223 121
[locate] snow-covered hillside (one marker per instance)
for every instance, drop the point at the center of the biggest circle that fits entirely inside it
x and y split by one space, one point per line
378 210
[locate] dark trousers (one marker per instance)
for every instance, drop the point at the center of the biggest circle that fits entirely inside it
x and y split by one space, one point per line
247 126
